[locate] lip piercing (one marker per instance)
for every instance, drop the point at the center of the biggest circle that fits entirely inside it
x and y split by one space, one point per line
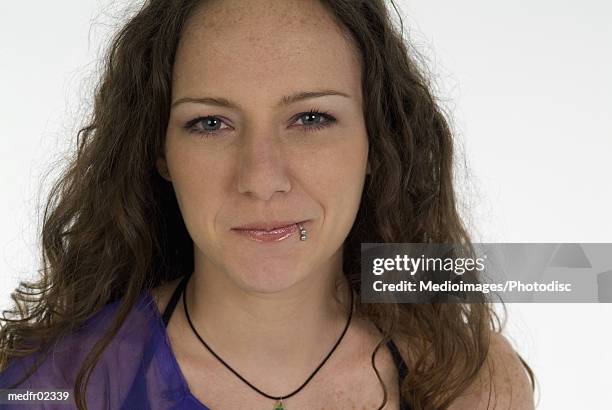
303 234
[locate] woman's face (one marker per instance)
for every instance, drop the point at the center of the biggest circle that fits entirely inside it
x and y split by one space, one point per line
241 147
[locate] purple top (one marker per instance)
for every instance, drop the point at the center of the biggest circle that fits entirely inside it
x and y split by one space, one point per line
137 370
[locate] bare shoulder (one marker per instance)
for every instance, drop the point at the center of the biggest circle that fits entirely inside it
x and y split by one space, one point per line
503 382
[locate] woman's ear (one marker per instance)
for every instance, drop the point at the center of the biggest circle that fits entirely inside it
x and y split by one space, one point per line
162 168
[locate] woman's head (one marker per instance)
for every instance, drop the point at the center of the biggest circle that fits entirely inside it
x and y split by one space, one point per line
266 124
145 188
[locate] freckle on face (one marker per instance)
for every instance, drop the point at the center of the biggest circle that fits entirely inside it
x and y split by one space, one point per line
252 54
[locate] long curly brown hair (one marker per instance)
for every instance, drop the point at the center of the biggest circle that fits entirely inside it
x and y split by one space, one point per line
112 226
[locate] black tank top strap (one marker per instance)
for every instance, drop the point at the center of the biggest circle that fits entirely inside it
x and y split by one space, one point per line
402 368
400 364
176 295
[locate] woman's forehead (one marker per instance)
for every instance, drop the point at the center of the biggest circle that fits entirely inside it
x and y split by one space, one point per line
233 43
260 15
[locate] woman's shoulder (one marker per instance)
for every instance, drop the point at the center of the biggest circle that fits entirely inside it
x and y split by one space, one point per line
503 380
61 363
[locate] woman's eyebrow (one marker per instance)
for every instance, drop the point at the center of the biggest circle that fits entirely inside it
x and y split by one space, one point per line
284 101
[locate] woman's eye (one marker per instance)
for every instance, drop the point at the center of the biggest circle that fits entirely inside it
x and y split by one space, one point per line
205 125
314 120
309 121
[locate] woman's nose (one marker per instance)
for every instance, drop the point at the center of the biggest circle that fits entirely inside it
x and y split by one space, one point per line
262 167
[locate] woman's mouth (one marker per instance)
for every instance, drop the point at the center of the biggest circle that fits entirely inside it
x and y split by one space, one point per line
268 232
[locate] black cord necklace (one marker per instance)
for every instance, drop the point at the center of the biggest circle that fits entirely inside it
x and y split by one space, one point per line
279 399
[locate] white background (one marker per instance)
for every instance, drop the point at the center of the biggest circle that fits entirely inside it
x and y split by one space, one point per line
529 85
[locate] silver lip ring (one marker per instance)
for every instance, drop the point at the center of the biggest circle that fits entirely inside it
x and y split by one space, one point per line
303 233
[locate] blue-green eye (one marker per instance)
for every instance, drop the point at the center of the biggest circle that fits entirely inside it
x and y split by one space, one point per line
312 120
205 125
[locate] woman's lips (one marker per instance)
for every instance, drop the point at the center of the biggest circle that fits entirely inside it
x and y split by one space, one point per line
274 235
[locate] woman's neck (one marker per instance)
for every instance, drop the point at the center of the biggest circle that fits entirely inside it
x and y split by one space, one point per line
294 328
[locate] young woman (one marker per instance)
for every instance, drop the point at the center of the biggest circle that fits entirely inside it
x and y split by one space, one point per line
238 154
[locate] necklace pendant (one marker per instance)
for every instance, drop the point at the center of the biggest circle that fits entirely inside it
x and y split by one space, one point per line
279 405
